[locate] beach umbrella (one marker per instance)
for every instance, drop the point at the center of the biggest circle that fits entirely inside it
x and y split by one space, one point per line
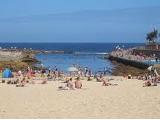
72 69
150 68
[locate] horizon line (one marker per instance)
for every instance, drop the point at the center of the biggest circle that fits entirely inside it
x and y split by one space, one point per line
72 42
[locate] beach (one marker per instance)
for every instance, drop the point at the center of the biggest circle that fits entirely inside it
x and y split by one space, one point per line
87 59
126 100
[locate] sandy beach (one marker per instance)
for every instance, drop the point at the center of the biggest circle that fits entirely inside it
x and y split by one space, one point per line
127 100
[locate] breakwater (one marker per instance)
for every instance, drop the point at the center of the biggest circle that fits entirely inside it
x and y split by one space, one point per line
125 61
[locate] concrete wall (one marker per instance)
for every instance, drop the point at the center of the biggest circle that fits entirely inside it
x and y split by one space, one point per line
129 62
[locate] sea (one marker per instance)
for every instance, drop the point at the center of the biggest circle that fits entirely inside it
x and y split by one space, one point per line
90 55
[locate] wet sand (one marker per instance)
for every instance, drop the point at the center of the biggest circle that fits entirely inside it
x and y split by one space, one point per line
127 100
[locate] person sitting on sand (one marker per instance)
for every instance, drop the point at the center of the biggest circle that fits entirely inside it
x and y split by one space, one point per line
105 83
154 82
99 79
49 77
21 83
158 79
147 84
43 73
70 84
78 83
129 77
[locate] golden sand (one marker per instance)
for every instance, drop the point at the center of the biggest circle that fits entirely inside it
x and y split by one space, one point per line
127 100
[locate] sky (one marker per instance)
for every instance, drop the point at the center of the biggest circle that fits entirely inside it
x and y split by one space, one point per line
77 20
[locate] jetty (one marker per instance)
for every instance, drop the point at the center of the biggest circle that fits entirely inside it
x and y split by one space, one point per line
134 63
130 57
141 56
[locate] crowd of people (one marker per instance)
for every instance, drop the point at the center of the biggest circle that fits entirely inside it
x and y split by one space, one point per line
72 79
130 55
151 78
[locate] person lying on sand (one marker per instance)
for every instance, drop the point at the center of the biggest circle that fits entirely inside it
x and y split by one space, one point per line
44 81
13 81
106 83
69 85
63 88
147 84
78 83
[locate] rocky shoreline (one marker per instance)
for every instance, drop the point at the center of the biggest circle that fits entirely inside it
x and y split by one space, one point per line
17 59
21 58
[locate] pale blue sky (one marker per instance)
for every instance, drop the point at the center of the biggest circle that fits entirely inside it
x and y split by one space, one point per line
29 7
98 25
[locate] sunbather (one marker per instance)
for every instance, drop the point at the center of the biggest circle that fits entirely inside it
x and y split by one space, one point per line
21 84
147 84
105 83
78 83
68 86
44 81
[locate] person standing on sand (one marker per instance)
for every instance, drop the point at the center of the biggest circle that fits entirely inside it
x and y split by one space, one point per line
78 83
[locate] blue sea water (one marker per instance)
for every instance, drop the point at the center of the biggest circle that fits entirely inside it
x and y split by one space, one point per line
87 54
69 47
